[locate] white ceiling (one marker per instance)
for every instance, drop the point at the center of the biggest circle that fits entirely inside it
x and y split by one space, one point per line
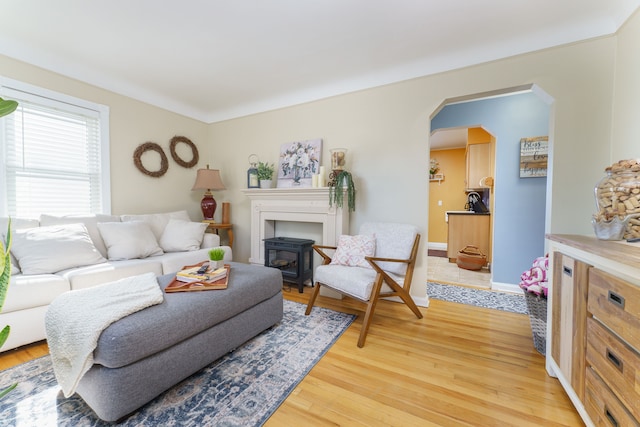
218 59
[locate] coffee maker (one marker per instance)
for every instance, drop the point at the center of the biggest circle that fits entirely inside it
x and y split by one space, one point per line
477 202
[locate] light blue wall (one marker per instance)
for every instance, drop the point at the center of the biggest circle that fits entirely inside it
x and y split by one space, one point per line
519 209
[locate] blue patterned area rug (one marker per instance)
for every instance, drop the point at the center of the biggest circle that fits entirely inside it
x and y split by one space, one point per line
514 303
242 388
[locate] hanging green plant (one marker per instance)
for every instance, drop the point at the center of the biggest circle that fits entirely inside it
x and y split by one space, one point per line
336 193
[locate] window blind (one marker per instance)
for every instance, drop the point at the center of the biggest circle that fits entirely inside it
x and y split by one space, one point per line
52 159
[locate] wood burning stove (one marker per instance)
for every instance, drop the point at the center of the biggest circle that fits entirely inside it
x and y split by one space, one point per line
293 257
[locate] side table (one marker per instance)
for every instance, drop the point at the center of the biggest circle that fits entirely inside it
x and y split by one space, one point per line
217 226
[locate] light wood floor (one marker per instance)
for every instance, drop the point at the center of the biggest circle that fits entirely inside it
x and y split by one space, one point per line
458 366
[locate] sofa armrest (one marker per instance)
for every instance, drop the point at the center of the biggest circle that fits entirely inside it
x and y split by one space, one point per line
210 240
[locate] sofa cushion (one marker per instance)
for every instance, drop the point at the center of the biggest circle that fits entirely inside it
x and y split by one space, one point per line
158 221
92 275
16 224
54 248
180 235
90 221
28 291
354 281
174 261
128 240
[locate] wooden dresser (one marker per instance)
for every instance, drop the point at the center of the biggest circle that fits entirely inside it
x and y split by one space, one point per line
594 327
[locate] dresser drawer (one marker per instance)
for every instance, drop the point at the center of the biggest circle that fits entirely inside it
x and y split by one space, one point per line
617 304
603 407
616 363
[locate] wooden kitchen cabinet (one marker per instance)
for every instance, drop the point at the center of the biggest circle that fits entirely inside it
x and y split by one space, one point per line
468 229
478 158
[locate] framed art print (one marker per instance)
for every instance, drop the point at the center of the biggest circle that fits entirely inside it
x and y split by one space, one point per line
298 162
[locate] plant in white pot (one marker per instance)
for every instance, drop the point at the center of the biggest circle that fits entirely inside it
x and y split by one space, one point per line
265 174
216 257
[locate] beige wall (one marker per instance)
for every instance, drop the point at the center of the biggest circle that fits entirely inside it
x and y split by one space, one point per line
626 108
386 130
131 124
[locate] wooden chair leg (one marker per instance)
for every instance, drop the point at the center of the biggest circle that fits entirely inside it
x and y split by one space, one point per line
368 317
371 307
409 302
312 300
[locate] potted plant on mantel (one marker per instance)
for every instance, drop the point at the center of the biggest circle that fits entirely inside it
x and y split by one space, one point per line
265 174
343 179
6 107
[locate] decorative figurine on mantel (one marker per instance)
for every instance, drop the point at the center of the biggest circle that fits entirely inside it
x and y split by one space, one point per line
338 162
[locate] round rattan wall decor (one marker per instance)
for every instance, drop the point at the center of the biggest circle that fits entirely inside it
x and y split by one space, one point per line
137 159
194 150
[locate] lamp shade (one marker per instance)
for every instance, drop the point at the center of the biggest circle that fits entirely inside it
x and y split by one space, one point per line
208 179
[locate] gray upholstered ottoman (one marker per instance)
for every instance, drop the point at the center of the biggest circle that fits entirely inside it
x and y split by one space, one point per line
142 355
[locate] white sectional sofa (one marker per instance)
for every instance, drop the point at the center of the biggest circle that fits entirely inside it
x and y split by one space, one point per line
54 255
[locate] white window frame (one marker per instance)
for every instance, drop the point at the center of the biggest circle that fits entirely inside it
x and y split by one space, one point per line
14 89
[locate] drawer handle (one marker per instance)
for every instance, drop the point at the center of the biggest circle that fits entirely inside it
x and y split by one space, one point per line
614 360
568 271
610 417
616 299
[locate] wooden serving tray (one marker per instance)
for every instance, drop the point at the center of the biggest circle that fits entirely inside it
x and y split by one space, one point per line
178 286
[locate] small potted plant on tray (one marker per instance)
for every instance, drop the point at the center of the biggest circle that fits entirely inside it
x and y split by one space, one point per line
216 257
265 174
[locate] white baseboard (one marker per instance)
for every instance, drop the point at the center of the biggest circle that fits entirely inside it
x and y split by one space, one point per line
437 246
506 287
420 301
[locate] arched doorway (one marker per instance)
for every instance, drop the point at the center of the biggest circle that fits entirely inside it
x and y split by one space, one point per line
519 204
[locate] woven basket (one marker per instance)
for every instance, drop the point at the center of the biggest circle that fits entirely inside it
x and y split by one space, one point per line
537 307
471 258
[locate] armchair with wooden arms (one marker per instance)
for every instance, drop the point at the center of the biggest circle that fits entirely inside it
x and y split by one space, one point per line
385 271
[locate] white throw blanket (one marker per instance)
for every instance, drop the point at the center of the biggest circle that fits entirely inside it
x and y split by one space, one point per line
75 320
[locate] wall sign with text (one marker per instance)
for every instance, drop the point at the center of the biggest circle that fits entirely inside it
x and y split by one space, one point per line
534 153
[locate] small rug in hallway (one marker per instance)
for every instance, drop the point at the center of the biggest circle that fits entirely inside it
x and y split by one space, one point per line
514 303
242 388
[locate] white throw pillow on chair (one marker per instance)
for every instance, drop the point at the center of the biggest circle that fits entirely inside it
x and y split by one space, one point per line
352 250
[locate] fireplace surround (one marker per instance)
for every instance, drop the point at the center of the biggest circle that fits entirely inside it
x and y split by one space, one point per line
308 204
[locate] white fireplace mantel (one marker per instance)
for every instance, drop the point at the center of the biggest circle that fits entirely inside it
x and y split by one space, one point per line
293 205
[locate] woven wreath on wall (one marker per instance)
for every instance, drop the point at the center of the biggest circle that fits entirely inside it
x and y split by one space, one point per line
150 146
164 162
194 150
